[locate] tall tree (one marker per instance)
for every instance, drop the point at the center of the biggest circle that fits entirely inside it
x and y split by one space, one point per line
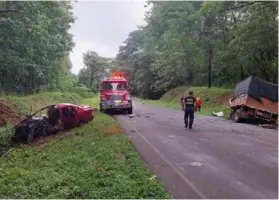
202 43
33 42
96 68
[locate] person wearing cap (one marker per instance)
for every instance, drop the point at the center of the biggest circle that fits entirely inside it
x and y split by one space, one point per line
188 106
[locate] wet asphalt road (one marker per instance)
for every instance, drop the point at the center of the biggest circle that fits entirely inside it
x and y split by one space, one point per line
217 159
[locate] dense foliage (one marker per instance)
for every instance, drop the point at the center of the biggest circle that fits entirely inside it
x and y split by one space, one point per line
201 43
96 68
35 46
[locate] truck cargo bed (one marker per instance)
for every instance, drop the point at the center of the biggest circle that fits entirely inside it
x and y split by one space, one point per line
255 98
264 105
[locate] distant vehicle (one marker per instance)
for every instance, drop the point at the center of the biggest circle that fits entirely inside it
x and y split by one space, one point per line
59 117
115 94
255 99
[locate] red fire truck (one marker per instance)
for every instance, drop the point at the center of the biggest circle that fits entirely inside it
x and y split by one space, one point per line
115 94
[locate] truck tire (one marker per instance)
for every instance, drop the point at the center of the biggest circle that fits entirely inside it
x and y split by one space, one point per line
236 116
130 111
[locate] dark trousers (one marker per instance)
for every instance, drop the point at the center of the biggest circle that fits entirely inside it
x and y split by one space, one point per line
189 113
198 108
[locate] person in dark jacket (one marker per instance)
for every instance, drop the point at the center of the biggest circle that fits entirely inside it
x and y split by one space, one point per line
188 106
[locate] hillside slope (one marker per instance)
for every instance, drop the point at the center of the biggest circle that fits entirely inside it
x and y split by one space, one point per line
214 99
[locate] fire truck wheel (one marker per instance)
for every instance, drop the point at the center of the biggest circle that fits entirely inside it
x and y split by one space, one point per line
236 116
130 111
101 109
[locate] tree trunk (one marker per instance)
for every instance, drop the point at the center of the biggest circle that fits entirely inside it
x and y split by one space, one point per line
1 80
29 81
91 80
210 58
33 80
241 73
27 86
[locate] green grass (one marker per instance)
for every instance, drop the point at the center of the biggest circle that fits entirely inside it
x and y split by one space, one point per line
94 161
82 91
37 101
214 99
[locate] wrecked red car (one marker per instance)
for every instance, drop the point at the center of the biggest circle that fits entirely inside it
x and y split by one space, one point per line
74 115
59 117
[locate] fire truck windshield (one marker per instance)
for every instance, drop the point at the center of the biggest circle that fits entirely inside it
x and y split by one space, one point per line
114 86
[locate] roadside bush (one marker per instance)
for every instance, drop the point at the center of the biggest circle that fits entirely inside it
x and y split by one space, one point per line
83 91
5 137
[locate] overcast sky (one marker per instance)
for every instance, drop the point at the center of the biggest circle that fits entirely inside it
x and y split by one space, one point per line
102 26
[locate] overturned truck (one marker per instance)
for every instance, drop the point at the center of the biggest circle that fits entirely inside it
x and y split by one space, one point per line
255 99
59 117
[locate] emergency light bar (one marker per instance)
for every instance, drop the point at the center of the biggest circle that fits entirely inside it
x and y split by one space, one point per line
118 75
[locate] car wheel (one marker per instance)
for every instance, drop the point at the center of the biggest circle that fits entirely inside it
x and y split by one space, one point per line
82 122
237 117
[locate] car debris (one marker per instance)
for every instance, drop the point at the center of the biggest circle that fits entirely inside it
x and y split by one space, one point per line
147 116
7 153
59 117
153 177
270 126
218 114
132 115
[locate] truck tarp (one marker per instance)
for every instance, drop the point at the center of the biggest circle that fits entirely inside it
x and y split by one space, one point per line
256 88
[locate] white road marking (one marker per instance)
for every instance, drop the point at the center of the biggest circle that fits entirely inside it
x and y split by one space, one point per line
179 173
166 141
181 169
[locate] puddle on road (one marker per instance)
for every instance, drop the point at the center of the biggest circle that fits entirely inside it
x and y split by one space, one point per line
196 164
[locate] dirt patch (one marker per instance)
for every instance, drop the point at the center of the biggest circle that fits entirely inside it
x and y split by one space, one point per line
9 113
113 129
223 100
38 142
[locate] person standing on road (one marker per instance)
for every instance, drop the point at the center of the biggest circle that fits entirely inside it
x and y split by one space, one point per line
188 106
198 104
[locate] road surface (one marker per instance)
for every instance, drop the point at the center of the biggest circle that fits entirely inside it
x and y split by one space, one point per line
217 159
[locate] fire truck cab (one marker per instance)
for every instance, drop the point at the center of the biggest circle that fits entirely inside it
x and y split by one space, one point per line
115 95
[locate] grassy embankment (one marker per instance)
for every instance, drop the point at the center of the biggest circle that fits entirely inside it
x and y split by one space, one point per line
214 99
94 161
